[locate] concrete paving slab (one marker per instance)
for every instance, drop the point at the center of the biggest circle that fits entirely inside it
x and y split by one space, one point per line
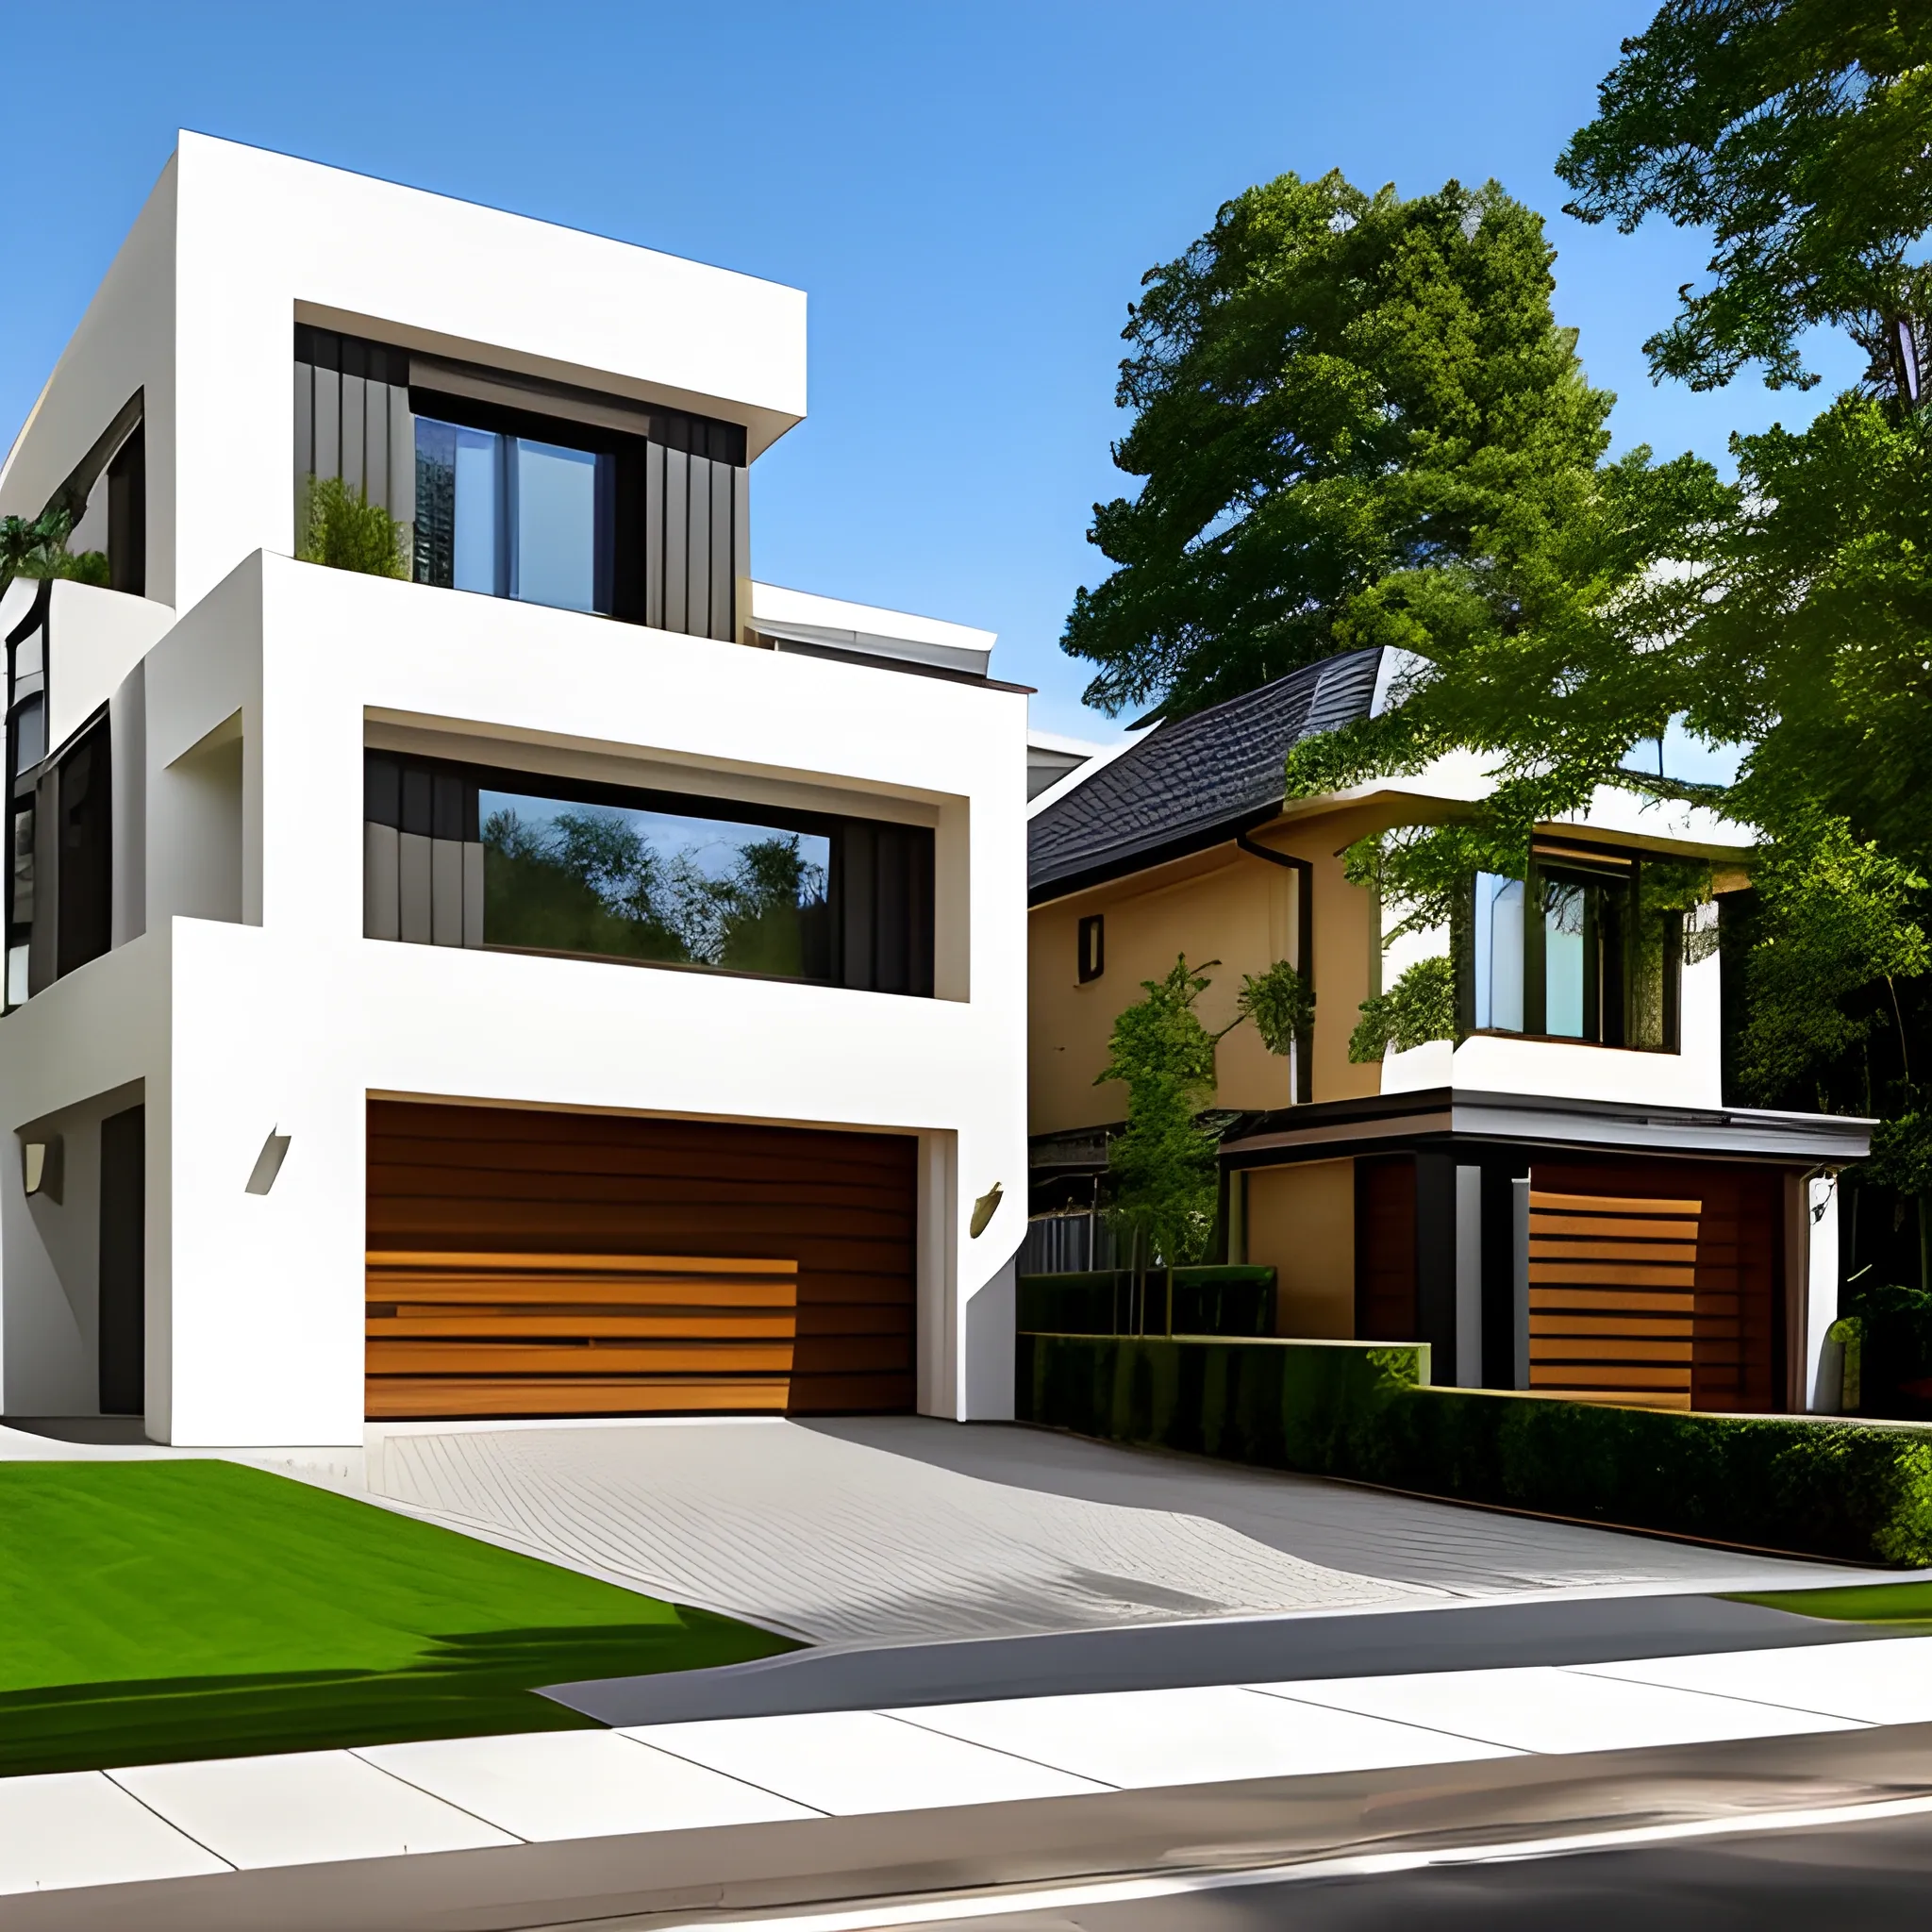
78 1828
1888 1683
849 1762
578 1784
1554 1711
303 1808
1139 1740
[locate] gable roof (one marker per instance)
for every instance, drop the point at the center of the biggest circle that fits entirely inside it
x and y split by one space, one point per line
1197 781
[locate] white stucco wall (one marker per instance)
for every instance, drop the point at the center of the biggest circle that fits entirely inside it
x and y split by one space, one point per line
281 1017
1491 1063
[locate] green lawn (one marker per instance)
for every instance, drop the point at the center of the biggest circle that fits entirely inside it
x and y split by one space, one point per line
1904 1606
157 1610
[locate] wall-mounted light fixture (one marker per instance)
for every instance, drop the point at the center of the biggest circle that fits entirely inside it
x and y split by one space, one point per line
41 1164
985 1208
268 1163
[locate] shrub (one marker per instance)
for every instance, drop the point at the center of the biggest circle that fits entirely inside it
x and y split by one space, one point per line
38 548
1218 1299
343 530
1850 1491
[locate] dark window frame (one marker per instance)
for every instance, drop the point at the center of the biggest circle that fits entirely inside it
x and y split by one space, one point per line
1614 1006
1090 947
885 845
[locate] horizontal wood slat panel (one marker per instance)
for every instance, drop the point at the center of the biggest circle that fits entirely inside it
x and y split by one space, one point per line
1739 1323
546 1289
1608 1324
1611 1273
1610 1204
639 1236
399 1397
583 1324
520 1263
1611 1229
564 1356
1621 1348
1684 1253
1609 1375
1582 1336
1634 1300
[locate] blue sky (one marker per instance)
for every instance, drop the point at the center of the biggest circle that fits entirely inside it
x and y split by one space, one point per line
970 193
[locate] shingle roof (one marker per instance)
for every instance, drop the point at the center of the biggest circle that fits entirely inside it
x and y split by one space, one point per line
1219 767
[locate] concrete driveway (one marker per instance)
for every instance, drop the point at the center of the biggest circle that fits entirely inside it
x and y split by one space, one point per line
898 1530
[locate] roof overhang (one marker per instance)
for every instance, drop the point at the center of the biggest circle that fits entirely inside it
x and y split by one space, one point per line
1333 1128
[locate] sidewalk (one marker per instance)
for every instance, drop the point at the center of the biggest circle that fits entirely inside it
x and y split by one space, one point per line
184 1821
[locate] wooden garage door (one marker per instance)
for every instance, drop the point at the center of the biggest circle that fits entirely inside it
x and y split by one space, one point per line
1674 1269
1612 1300
685 1247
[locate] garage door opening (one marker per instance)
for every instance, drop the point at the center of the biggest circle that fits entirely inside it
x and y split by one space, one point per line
529 1264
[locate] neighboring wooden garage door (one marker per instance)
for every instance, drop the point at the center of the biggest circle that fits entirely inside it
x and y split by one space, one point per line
509 1250
1658 1283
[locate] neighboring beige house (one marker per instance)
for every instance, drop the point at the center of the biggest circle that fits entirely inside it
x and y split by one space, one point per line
1560 1198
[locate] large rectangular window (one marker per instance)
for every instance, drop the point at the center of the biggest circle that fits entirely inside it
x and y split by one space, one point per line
462 856
633 883
1587 948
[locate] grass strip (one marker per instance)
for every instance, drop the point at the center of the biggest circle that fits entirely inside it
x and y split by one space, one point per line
159 1610
1903 1607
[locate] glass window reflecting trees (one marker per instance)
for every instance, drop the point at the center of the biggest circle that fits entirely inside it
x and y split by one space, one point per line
625 882
465 855
1587 948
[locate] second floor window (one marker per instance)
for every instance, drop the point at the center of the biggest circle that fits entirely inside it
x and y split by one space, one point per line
462 856
519 488
512 516
1588 948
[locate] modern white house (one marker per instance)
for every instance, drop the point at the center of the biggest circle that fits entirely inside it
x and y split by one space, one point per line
566 977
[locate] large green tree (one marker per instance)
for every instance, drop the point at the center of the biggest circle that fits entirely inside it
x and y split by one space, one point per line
1797 134
1789 612
1331 391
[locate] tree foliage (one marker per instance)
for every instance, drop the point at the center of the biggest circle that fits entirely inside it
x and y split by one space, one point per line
1281 1004
1162 1162
37 547
1334 392
1799 133
1789 612
1419 1007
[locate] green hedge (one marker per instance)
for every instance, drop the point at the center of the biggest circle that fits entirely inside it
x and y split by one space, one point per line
1850 1491
1223 1300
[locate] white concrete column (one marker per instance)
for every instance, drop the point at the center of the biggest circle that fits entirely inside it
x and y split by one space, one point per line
1821 1291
